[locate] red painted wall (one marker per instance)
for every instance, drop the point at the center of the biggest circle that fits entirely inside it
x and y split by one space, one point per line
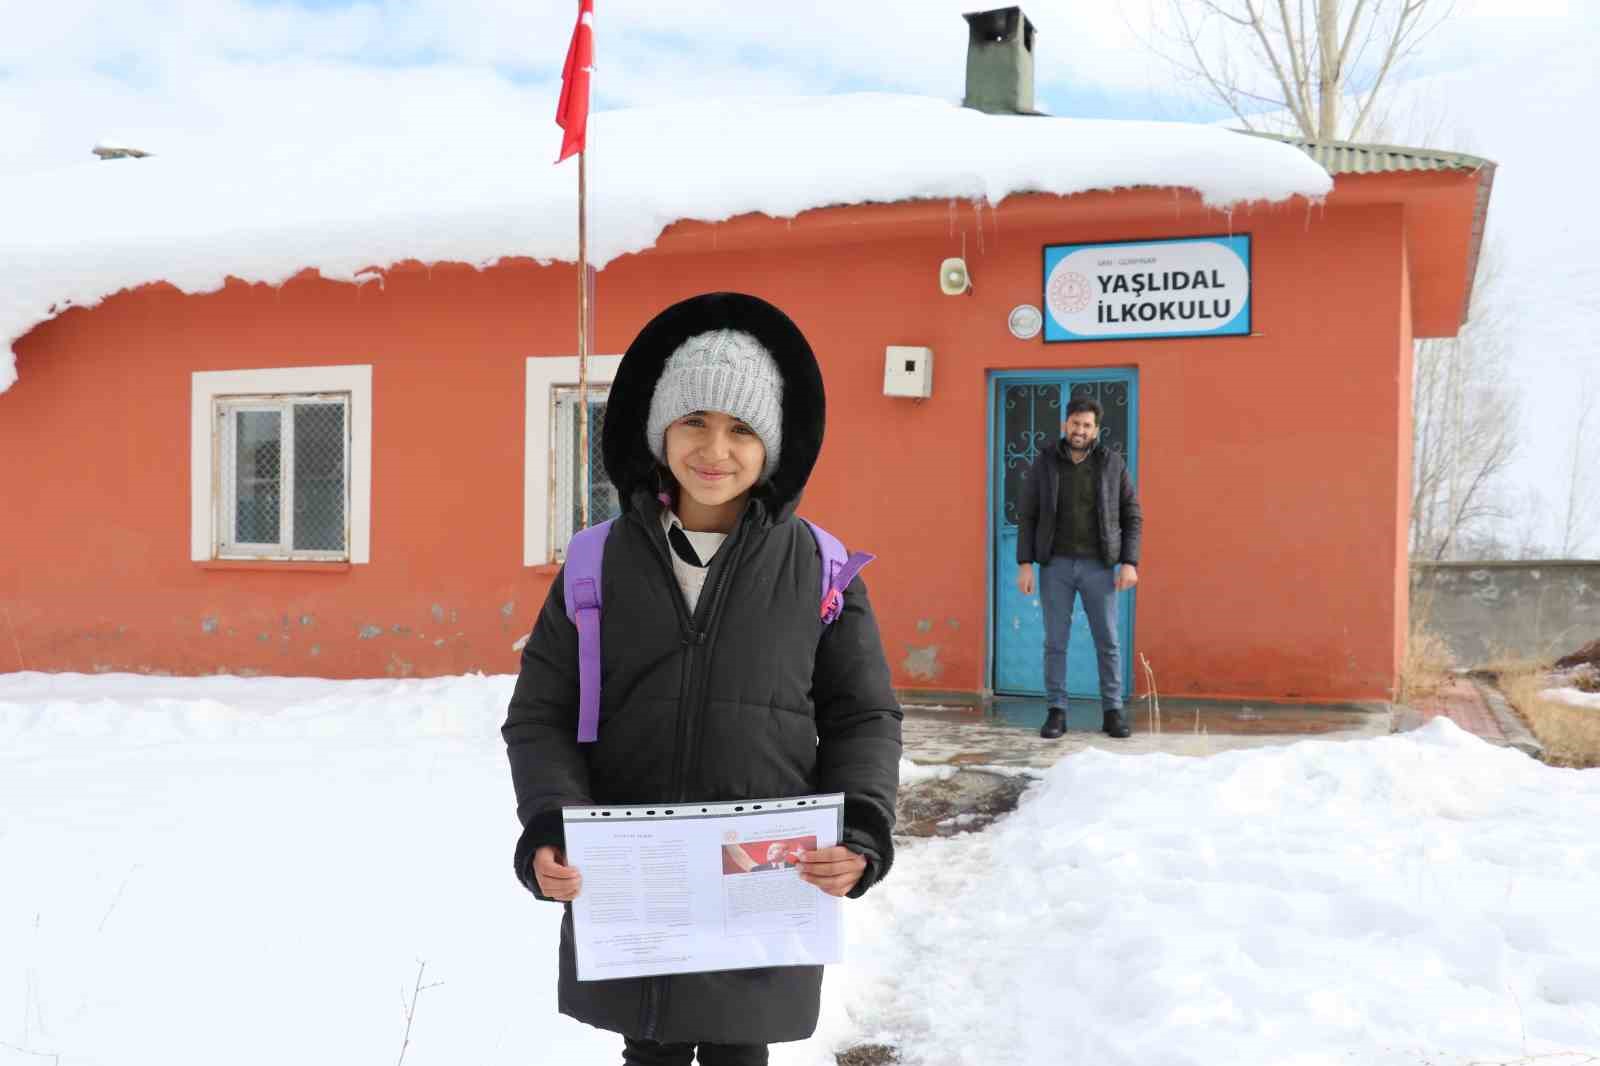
1273 468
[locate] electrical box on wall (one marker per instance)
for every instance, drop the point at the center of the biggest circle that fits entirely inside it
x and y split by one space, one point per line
908 371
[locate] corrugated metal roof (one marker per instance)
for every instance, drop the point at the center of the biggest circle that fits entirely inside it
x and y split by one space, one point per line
1346 157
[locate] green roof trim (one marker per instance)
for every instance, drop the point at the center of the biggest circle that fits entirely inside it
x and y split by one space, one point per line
1349 157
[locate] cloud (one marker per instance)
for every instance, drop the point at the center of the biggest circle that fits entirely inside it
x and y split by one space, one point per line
1519 9
195 71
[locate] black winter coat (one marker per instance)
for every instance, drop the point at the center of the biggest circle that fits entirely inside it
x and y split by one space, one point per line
1121 519
751 697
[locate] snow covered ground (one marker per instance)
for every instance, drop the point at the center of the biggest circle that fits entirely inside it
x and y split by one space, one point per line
250 870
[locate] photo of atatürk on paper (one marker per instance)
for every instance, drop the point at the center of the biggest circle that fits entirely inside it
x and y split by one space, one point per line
757 855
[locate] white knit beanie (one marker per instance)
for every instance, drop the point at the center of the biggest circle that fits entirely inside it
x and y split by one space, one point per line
724 370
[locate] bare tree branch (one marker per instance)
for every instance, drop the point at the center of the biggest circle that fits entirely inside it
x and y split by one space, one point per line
53 1056
1390 54
1464 432
411 1008
1295 86
1318 61
1350 33
1410 31
1582 492
1322 68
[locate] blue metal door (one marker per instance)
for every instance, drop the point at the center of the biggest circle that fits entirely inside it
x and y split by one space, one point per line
1026 412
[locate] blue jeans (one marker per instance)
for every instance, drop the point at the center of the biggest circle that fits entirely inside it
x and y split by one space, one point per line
1060 580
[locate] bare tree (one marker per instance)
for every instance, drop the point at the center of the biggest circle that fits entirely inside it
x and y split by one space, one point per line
1581 514
1306 65
1327 70
1464 431
1527 541
1518 538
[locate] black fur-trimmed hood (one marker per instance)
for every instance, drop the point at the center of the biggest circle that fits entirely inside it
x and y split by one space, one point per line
629 462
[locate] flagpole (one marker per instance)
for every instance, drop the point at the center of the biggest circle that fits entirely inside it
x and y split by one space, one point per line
572 115
583 338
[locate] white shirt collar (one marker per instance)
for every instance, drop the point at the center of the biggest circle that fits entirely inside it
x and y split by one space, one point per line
705 544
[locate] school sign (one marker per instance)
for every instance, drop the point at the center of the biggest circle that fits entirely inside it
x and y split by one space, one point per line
1185 287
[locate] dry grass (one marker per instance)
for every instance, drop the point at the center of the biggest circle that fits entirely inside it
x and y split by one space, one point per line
1505 664
1570 735
1427 665
1152 698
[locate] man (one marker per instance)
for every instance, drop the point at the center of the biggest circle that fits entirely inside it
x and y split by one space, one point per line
1080 520
774 857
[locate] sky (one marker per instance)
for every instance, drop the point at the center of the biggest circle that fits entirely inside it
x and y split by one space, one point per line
1506 79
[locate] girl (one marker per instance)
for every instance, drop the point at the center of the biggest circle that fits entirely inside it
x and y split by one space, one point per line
720 681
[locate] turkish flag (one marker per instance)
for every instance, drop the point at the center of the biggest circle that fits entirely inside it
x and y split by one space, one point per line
572 113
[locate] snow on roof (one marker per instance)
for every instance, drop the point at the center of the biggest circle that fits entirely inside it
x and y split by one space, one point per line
263 212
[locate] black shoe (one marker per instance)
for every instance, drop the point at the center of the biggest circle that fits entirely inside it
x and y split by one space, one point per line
1055 724
1116 724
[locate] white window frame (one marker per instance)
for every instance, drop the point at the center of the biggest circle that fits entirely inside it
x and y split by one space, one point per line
229 546
206 473
544 374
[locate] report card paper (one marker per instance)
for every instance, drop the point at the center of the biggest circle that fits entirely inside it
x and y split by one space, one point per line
696 887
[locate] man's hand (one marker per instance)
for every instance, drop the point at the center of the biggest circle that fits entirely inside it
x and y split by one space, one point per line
834 870
1127 577
1025 579
556 879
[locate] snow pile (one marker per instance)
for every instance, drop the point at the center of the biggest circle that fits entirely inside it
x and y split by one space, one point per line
1421 898
916 773
182 875
1573 697
264 212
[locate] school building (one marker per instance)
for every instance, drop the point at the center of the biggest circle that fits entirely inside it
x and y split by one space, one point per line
354 481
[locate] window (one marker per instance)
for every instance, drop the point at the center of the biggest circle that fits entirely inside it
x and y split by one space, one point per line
281 464
566 516
284 476
550 446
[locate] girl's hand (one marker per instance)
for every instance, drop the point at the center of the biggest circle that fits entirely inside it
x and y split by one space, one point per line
556 879
834 870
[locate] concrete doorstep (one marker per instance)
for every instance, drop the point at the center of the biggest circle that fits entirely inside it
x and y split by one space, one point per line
1006 733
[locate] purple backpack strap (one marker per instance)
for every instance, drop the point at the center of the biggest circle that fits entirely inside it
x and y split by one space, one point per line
580 588
839 568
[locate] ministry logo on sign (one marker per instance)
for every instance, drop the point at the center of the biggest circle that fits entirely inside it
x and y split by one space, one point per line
1069 292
